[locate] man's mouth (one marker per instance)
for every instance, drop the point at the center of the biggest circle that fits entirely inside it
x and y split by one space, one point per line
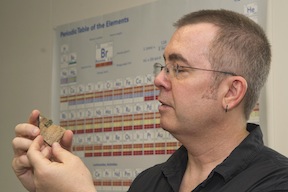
163 103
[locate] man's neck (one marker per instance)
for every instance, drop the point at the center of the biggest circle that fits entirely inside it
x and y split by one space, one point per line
204 154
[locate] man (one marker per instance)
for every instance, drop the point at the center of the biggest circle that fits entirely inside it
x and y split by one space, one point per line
215 65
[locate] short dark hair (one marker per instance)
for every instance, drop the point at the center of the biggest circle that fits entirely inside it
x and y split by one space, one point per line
240 46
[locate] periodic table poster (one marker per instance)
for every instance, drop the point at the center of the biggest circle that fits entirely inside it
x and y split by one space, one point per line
106 96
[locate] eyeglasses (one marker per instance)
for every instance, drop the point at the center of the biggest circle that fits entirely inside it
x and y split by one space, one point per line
179 71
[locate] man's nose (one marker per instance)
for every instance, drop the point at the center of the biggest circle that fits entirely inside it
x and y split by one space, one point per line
162 80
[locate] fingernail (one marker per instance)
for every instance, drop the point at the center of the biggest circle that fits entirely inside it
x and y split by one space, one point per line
35 131
56 144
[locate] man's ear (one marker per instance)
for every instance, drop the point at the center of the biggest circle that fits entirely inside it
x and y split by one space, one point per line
236 87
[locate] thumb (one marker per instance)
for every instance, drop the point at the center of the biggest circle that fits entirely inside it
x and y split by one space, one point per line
60 154
36 158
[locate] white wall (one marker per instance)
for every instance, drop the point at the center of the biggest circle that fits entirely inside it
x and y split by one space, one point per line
25 72
26 46
277 88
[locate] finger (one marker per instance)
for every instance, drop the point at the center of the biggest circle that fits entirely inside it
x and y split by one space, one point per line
67 139
20 164
47 151
26 130
33 119
20 145
60 154
35 155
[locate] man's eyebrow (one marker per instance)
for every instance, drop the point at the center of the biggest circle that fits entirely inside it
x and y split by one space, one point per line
176 57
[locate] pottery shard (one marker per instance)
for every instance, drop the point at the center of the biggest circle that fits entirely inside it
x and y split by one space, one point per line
50 132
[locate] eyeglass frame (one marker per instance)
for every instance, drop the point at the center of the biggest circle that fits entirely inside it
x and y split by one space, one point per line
177 67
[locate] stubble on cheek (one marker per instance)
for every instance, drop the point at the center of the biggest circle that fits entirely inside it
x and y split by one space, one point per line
211 91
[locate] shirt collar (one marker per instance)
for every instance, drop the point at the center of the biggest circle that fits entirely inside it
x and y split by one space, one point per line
243 154
238 160
174 168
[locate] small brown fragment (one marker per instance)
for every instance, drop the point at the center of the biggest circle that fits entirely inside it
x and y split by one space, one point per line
50 132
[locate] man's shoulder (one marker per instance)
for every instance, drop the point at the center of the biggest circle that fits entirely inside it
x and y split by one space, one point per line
152 171
149 180
273 170
272 165
274 157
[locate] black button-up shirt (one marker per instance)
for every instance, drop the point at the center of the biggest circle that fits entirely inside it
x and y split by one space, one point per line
250 167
